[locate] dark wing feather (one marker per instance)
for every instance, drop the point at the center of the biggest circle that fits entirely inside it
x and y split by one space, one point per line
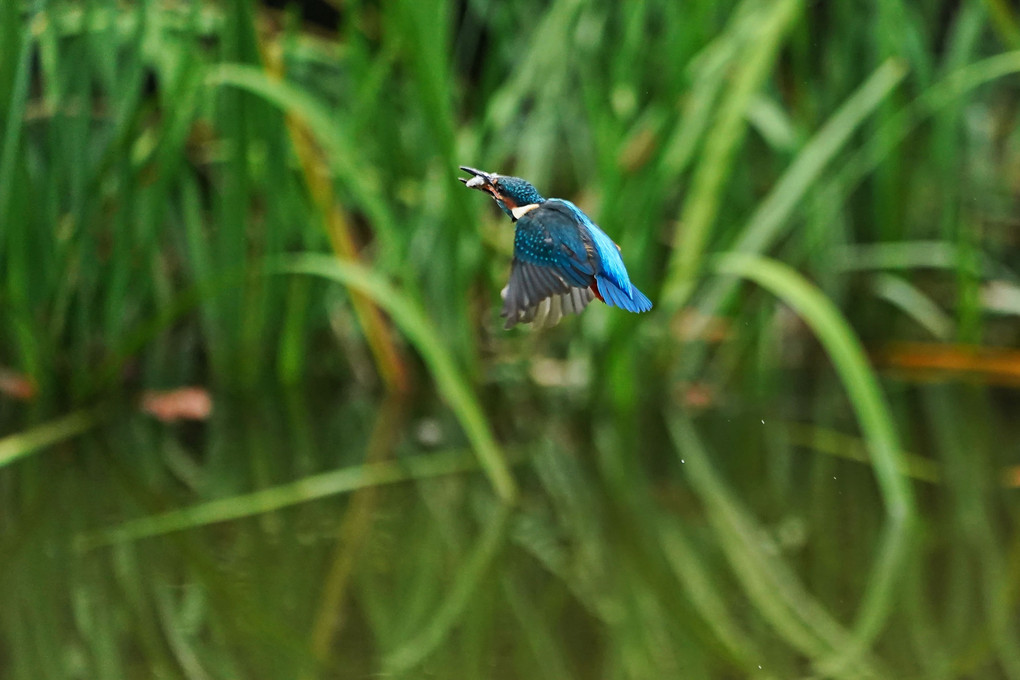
560 256
529 285
552 269
542 311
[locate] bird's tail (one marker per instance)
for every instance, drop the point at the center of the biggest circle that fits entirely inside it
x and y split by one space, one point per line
613 296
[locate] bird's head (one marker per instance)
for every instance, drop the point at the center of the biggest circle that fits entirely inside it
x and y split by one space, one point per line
511 193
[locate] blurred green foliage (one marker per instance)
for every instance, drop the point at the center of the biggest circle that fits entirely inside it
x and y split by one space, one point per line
232 196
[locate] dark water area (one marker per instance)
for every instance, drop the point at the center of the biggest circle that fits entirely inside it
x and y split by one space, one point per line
341 537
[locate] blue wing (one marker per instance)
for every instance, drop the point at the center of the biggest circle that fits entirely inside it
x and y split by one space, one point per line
611 276
552 270
559 256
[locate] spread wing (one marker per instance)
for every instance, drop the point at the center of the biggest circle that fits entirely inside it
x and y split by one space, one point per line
552 269
548 311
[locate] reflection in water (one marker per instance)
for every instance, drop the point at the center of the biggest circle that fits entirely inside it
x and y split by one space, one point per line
355 530
281 539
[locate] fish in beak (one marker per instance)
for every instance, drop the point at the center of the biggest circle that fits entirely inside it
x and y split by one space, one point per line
483 181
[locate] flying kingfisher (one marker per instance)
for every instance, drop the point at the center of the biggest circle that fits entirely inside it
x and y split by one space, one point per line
562 260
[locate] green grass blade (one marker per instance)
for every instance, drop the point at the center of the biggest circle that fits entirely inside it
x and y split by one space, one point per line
303 490
762 229
15 446
840 445
343 154
868 402
912 255
766 224
708 71
895 129
723 140
1003 21
697 581
465 583
797 617
15 112
539 631
910 300
849 360
423 335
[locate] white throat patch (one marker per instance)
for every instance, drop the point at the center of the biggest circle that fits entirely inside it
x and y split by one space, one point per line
522 210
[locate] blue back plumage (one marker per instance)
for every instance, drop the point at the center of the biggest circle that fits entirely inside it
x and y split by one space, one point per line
609 260
550 239
610 273
559 235
558 253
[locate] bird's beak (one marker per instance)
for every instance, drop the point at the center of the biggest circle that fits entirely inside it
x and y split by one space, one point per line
481 180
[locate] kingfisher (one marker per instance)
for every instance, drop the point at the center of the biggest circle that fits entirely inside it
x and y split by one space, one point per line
562 260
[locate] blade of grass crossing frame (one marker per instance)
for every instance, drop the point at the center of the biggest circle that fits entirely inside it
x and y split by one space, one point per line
777 593
359 180
16 446
701 206
773 214
284 495
12 128
422 334
868 402
388 359
465 583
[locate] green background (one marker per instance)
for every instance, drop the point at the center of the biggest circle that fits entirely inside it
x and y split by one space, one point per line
802 463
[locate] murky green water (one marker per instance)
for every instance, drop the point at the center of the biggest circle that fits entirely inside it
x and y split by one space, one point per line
344 538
